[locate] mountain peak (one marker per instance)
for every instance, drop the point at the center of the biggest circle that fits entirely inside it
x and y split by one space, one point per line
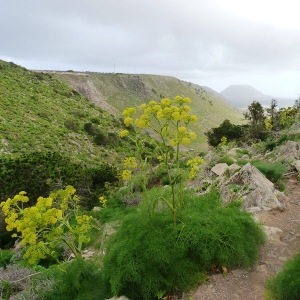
242 96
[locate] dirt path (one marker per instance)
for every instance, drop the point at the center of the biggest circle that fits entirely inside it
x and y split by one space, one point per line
249 284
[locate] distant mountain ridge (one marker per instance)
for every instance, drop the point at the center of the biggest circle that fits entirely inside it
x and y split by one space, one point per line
241 96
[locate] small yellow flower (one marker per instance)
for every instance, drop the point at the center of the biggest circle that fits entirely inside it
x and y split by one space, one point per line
128 121
126 174
130 163
193 118
143 106
124 133
165 102
103 201
186 141
152 103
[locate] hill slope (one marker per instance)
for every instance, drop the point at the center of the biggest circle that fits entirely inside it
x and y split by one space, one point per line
115 92
39 112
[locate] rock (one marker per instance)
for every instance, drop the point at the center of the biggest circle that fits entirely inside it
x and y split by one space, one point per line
296 164
96 208
254 189
288 152
219 169
273 233
233 168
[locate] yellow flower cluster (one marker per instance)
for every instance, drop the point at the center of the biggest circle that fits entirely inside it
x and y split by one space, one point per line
170 116
268 124
124 133
126 174
103 201
45 224
223 141
129 164
194 164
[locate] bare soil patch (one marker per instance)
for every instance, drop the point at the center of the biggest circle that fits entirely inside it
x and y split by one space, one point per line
249 284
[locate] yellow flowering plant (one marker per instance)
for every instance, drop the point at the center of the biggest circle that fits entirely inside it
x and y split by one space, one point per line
52 222
169 120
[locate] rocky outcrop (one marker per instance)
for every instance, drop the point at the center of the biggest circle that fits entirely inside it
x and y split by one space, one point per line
255 190
289 152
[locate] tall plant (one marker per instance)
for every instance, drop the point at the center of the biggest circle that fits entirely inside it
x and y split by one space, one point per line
168 122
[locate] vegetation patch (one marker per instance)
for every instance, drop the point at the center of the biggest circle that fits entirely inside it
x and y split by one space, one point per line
286 284
148 257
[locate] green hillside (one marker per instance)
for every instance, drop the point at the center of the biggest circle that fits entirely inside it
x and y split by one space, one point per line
39 112
114 92
50 110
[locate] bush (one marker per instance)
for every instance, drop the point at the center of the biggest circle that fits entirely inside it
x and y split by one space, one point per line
38 173
5 256
286 284
100 138
73 125
230 131
91 129
227 159
148 257
72 280
272 171
270 145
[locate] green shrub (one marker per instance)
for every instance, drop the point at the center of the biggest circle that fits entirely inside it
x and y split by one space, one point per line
270 145
272 171
286 284
73 125
230 131
7 289
91 129
38 173
283 138
227 159
243 152
78 280
5 257
149 256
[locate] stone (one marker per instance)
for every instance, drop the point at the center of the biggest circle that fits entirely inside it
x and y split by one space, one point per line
233 168
288 152
273 233
255 190
219 169
296 164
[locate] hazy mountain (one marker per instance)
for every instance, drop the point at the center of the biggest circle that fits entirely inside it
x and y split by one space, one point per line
242 96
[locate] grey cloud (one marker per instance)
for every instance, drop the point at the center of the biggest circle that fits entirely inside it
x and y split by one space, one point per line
194 39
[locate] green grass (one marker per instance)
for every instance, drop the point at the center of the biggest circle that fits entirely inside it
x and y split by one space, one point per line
286 284
273 171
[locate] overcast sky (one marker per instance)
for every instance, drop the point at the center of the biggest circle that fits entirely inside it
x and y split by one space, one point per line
214 43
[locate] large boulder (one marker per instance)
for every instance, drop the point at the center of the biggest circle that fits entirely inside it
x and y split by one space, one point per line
255 190
289 152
